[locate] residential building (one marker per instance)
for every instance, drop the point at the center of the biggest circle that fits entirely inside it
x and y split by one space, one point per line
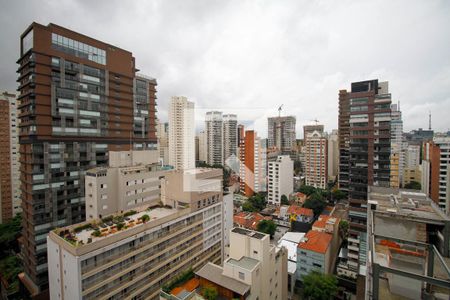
228 211
280 179
162 131
202 147
9 158
120 256
249 220
181 133
397 153
408 235
214 138
255 269
79 97
230 136
307 129
365 153
419 136
316 159
314 253
290 241
131 180
281 133
411 167
300 214
436 171
333 155
252 170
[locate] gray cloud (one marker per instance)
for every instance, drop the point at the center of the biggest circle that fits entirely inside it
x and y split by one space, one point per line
248 57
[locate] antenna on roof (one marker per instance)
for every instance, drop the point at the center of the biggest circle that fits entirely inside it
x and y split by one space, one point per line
429 120
279 110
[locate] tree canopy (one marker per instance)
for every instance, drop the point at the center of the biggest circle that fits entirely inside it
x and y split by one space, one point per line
256 202
413 185
338 194
307 190
267 226
319 286
9 232
210 293
284 200
316 202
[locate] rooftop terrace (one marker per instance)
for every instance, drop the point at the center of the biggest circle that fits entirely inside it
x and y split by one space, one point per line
244 262
90 232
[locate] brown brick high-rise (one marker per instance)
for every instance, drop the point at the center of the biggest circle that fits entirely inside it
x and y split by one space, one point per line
79 98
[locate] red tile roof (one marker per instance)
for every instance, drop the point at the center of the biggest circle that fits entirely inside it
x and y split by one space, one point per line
322 221
249 220
316 241
300 211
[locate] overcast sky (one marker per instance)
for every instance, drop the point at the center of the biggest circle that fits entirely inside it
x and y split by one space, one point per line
249 57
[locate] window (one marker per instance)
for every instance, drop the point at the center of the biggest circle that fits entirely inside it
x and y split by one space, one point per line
241 275
27 42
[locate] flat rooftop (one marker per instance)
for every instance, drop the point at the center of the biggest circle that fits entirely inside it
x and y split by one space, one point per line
214 273
90 232
250 233
406 203
244 262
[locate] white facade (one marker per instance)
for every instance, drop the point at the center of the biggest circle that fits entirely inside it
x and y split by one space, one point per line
397 139
214 137
124 185
202 146
181 133
162 131
333 155
227 217
444 172
230 139
280 179
316 162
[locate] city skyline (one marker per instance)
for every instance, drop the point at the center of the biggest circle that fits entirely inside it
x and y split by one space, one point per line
223 47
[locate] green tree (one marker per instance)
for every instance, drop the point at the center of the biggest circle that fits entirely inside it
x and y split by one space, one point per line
258 201
307 190
284 200
145 218
248 206
315 202
319 286
413 185
267 226
343 229
9 233
210 293
338 194
10 267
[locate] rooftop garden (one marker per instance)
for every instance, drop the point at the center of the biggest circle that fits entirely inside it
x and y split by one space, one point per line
104 227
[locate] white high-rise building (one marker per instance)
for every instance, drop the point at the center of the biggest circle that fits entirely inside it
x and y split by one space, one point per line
280 179
230 138
181 133
444 172
333 155
281 133
162 131
202 146
214 137
316 165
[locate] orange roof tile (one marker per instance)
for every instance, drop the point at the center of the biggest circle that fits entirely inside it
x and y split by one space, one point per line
316 241
189 286
249 220
323 219
300 211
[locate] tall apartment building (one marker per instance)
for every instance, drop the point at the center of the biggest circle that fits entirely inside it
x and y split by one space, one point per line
333 155
9 158
181 134
214 137
252 169
397 153
281 133
202 148
411 166
280 178
132 254
162 132
230 136
131 180
79 97
307 129
365 138
436 171
316 160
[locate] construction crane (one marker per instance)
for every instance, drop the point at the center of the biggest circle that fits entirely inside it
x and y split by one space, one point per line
279 110
316 121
